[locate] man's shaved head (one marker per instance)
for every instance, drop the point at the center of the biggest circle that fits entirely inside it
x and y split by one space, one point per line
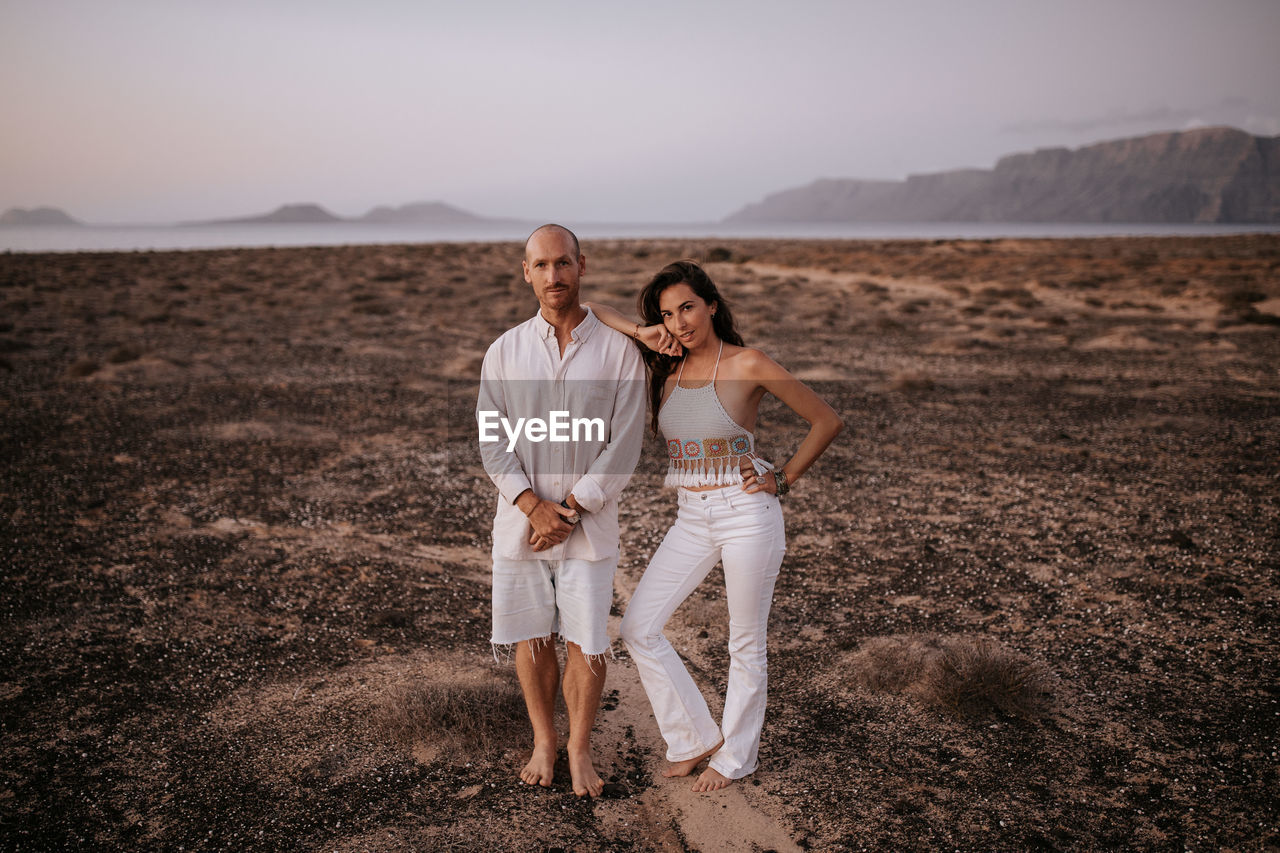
551 226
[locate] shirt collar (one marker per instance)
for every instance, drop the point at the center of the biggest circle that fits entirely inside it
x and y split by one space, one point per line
580 332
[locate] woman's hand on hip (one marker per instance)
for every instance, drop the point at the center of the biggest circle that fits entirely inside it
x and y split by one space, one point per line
753 482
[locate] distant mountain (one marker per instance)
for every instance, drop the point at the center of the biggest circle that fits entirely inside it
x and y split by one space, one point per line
286 214
418 213
36 216
422 212
1209 175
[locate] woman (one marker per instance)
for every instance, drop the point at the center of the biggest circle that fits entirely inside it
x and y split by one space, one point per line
705 390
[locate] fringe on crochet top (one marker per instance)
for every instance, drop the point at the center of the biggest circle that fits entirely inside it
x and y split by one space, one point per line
705 446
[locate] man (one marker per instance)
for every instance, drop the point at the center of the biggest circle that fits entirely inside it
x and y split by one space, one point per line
555 533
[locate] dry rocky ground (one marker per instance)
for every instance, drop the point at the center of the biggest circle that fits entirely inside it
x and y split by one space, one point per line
1029 601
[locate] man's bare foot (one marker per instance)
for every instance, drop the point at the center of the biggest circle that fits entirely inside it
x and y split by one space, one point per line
582 770
684 768
541 767
711 780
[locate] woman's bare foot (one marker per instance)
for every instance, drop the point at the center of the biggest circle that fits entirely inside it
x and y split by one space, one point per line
684 768
582 770
541 767
711 780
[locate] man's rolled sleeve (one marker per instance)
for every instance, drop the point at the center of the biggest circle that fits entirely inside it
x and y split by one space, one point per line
503 467
602 482
512 486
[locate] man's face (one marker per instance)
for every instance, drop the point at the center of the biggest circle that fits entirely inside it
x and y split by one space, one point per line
550 265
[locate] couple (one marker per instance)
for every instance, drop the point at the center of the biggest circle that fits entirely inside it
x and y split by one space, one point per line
568 388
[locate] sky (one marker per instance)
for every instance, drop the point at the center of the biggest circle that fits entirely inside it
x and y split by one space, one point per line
153 111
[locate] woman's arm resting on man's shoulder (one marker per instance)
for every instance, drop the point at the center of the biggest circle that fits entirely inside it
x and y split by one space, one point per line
656 337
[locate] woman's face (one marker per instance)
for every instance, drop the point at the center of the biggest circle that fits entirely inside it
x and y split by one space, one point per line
687 316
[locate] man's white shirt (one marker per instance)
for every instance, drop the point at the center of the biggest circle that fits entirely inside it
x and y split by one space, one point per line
600 376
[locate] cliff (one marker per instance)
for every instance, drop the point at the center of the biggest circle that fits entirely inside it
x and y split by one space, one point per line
417 213
36 216
286 214
1209 175
422 212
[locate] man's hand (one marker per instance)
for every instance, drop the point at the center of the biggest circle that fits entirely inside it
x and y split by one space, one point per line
549 524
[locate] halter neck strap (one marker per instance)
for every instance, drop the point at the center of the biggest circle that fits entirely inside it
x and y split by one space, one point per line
714 370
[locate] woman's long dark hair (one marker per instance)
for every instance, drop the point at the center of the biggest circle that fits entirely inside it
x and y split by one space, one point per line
660 366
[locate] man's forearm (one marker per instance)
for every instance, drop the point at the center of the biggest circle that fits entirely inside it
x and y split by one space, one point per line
503 468
526 501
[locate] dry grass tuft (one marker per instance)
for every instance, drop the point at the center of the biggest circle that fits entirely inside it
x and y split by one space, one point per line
976 675
893 664
124 353
969 676
1240 299
911 380
1019 296
82 367
475 713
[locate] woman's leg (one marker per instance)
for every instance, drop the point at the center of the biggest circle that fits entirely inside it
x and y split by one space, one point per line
752 552
677 567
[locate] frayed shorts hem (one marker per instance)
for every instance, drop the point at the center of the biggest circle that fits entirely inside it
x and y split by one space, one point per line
507 648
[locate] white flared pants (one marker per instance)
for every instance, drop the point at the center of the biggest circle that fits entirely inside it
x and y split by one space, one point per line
745 531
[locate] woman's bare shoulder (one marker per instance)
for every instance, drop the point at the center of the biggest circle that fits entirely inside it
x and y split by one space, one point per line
749 362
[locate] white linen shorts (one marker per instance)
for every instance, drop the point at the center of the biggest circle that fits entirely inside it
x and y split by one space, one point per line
533 599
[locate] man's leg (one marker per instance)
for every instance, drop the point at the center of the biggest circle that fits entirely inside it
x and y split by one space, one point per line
539 673
524 606
583 686
584 593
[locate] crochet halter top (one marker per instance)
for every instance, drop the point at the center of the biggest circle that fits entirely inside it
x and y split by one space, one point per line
704 445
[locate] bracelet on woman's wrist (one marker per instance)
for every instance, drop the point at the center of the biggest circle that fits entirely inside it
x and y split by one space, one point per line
780 481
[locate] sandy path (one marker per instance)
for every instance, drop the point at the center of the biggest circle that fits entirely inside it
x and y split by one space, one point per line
741 817
1192 307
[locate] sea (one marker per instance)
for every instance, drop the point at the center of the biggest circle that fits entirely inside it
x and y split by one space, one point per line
142 238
